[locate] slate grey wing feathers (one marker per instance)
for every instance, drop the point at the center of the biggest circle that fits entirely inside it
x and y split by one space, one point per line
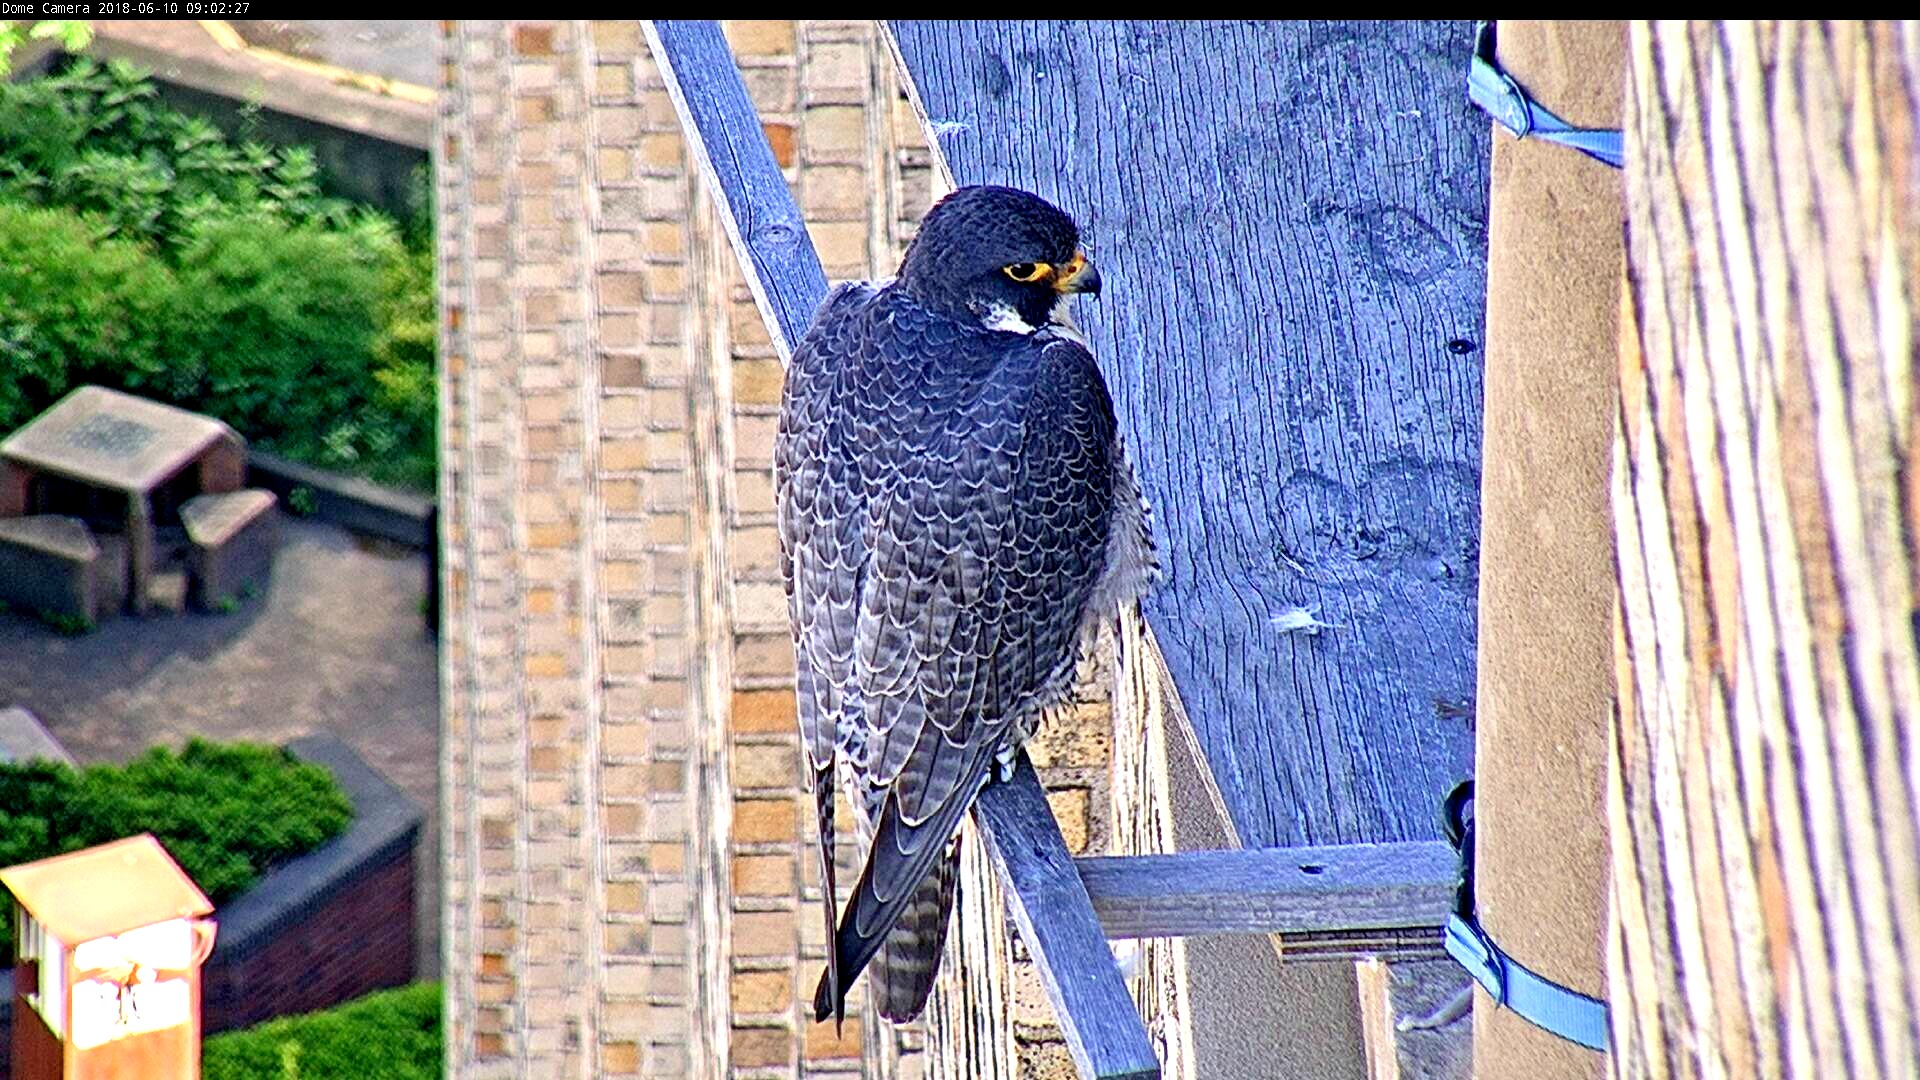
945 496
821 559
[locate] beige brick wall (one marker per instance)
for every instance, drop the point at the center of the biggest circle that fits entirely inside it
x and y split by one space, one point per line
631 889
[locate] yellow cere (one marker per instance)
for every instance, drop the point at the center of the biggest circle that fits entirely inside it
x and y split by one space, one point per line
1070 271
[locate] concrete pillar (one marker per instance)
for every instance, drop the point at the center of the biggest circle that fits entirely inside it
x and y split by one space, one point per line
1546 571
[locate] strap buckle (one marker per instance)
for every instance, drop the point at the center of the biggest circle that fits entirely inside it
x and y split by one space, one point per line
1538 1000
1490 87
1493 89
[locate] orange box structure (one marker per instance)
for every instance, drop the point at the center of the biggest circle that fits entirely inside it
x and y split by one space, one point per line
106 978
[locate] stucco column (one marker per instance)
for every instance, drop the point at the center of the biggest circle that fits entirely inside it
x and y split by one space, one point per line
1546 571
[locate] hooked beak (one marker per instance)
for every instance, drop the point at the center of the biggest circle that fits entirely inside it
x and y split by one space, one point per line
1079 276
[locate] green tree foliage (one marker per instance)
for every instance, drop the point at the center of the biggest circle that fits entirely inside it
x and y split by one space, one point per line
289 316
72 34
170 261
224 811
407 399
75 308
393 1035
96 138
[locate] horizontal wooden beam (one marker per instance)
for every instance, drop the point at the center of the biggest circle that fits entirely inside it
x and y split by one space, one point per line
1345 900
1050 905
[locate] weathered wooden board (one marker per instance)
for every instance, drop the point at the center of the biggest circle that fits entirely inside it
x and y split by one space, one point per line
1305 892
1764 791
1290 219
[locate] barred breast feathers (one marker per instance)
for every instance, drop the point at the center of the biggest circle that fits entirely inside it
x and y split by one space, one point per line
1132 561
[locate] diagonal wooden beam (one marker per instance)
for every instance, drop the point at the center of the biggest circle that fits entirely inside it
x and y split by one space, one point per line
723 130
1050 905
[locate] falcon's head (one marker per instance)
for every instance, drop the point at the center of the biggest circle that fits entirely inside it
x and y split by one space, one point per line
997 255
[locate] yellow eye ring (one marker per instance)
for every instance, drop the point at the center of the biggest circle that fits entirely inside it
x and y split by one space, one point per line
1027 272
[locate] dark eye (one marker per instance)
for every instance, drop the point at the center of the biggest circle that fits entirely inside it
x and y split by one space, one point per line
1027 271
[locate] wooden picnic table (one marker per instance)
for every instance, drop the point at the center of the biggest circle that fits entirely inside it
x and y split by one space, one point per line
125 446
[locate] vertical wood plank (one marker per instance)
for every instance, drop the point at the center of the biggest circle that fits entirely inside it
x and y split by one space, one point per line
1764 779
1417 1018
1270 296
1291 221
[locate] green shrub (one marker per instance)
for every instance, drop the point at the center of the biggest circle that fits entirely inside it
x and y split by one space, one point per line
224 811
400 429
170 261
96 138
317 345
75 307
392 1035
288 332
72 34
284 319
67 623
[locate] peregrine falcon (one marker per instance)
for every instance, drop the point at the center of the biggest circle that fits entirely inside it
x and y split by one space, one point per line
957 515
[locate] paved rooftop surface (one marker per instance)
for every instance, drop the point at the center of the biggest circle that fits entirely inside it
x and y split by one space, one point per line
181 51
337 643
396 48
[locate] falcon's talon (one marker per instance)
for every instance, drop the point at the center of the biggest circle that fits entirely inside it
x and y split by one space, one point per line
956 514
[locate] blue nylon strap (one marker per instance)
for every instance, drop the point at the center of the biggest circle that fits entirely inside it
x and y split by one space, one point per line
1544 1003
1495 91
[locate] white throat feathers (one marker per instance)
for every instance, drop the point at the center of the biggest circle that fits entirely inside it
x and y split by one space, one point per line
1003 318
